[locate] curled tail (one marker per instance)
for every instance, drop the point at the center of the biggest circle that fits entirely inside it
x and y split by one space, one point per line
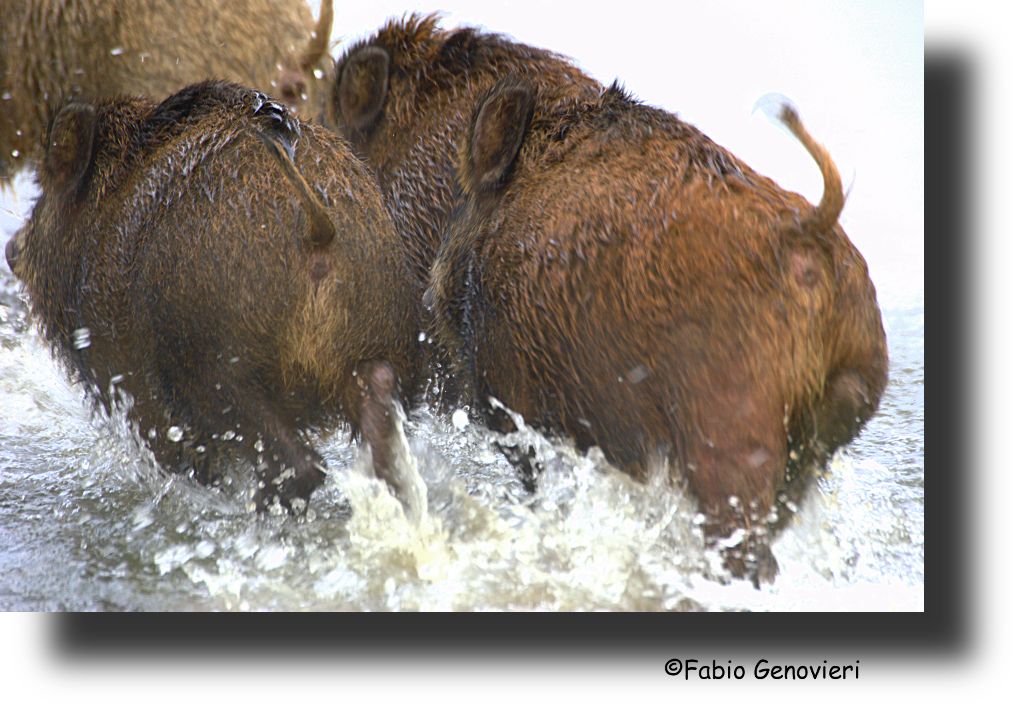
278 134
825 215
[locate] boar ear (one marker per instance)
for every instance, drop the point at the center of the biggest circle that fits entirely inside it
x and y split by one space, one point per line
362 86
496 134
69 145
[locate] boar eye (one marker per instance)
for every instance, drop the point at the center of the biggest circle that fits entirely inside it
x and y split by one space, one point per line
69 145
497 134
362 87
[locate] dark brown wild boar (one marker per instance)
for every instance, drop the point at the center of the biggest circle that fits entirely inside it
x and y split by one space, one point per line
617 277
621 279
404 97
230 268
53 50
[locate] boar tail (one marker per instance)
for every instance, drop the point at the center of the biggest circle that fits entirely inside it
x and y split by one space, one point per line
825 215
321 228
321 38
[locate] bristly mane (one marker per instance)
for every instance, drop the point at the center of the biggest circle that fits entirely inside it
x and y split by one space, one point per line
416 42
410 29
406 35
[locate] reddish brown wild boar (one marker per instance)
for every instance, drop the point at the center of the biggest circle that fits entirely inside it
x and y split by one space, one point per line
615 276
53 50
230 268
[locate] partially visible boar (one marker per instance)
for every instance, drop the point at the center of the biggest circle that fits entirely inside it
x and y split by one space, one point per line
404 97
613 275
230 268
53 50
617 277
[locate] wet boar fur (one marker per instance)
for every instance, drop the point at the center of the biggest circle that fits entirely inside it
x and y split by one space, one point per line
613 275
54 50
616 276
234 267
404 97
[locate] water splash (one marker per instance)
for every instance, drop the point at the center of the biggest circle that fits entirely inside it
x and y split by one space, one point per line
91 522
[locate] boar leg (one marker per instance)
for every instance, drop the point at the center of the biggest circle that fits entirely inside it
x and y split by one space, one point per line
523 459
735 463
848 402
381 427
750 558
289 469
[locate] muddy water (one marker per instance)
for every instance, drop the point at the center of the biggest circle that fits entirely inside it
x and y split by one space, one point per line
88 522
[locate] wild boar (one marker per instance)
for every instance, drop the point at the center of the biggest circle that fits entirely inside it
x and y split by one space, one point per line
615 276
53 50
230 268
610 273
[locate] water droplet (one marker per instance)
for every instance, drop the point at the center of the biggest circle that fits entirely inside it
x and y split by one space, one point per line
117 51
15 153
229 435
7 97
152 433
200 449
258 446
81 339
174 434
422 336
460 419
638 374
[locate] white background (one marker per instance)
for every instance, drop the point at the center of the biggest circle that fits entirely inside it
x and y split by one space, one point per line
661 52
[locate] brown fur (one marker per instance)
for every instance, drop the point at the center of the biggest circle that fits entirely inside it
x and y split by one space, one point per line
615 276
631 284
52 50
234 267
409 129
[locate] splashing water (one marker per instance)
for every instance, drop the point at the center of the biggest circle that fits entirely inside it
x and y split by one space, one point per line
88 521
